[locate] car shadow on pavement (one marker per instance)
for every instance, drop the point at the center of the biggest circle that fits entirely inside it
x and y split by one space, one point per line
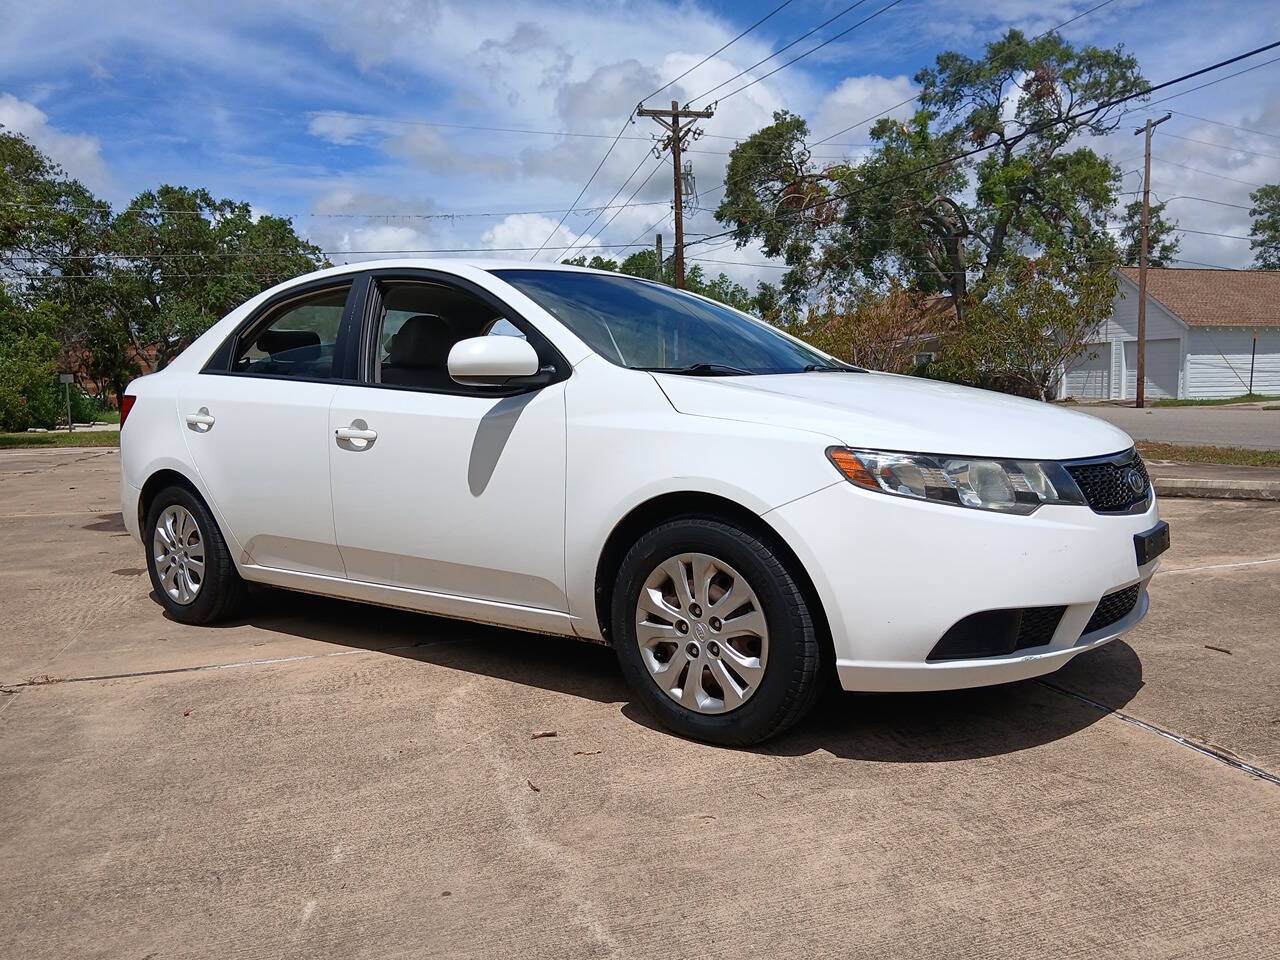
901 727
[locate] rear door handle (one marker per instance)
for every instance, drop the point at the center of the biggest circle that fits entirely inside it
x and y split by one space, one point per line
201 421
357 437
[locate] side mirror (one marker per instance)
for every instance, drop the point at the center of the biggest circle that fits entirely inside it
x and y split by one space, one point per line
492 361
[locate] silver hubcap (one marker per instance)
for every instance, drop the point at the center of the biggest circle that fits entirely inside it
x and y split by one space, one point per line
702 633
178 550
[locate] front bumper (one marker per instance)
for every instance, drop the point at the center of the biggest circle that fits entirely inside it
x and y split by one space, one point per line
894 575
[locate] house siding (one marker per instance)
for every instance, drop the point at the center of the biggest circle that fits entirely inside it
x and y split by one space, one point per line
1218 362
1119 328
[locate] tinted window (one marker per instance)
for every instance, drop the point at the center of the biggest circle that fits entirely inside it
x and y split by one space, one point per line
418 326
644 325
299 338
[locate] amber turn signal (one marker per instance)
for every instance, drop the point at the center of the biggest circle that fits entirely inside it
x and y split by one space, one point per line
853 469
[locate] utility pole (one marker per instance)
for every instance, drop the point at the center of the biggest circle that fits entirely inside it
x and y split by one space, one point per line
675 141
657 253
1142 261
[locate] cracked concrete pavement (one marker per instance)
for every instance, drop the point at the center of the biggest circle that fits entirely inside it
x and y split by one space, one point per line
326 779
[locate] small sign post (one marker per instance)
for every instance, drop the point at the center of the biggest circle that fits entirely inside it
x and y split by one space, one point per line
67 380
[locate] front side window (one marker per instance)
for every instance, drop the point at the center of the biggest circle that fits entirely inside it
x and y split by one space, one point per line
647 326
298 339
417 327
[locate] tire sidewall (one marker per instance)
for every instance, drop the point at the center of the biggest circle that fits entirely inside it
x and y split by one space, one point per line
785 614
200 609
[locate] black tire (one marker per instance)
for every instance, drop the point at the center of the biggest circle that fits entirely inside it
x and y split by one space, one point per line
221 591
790 683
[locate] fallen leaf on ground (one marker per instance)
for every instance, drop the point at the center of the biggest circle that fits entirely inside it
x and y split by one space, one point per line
532 787
539 734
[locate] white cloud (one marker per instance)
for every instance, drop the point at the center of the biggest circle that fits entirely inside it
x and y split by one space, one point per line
857 98
77 153
338 128
528 230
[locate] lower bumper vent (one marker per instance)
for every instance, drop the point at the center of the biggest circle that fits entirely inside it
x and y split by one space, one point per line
995 633
1113 607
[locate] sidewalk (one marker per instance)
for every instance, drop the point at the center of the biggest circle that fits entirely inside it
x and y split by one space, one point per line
1213 480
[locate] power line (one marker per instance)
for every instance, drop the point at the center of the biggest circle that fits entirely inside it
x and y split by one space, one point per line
1095 110
1233 126
618 212
1183 93
1207 173
912 99
775 53
1221 203
1223 146
583 191
815 49
623 128
722 49
239 255
587 230
350 215
1210 233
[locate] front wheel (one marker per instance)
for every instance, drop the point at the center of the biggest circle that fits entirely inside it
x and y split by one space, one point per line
191 569
713 632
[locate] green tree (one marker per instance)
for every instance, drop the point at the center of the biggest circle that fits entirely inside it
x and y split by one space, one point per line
1265 229
908 210
643 263
29 354
1162 244
182 259
1038 318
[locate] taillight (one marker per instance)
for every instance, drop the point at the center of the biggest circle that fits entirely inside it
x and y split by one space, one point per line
126 404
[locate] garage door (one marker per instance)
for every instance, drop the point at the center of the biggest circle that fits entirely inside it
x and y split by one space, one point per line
1090 376
1164 357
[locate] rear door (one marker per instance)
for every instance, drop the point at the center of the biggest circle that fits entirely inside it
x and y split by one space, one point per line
456 491
256 422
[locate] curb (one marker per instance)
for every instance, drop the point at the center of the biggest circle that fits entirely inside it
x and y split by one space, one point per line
1217 489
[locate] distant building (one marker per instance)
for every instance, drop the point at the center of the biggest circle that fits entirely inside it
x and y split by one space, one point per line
1205 328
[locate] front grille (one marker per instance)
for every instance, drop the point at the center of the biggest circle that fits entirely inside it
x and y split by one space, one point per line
1113 607
996 633
1105 483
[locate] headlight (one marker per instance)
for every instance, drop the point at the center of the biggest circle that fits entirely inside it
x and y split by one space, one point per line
1009 486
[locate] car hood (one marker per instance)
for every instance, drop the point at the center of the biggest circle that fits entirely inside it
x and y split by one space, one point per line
890 412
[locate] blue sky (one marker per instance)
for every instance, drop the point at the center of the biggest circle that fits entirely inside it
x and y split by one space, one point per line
346 114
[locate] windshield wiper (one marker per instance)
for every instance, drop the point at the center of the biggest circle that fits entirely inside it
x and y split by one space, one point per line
831 368
703 370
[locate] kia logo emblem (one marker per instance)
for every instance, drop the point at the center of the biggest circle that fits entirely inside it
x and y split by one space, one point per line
1134 479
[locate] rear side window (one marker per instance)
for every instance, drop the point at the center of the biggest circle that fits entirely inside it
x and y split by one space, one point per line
298 338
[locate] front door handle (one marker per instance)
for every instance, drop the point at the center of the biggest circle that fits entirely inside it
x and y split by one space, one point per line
356 437
201 421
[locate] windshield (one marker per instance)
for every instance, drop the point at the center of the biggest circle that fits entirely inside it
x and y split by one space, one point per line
647 326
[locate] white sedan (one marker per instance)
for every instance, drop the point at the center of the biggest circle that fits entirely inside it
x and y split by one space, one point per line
593 455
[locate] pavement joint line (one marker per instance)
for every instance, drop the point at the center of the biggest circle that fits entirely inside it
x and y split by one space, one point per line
269 661
1215 754
1220 566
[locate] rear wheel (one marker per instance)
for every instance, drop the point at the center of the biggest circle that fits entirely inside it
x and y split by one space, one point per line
191 569
713 632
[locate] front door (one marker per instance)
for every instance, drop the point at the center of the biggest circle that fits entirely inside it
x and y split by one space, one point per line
454 491
257 427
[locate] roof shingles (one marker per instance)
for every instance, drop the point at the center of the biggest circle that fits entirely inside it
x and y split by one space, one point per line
1216 298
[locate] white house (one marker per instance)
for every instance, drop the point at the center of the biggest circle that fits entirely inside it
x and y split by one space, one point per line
1206 329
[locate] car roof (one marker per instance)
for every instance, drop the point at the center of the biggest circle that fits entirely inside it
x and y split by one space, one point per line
448 264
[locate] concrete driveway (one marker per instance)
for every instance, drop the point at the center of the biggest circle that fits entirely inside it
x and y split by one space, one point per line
325 779
1247 426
